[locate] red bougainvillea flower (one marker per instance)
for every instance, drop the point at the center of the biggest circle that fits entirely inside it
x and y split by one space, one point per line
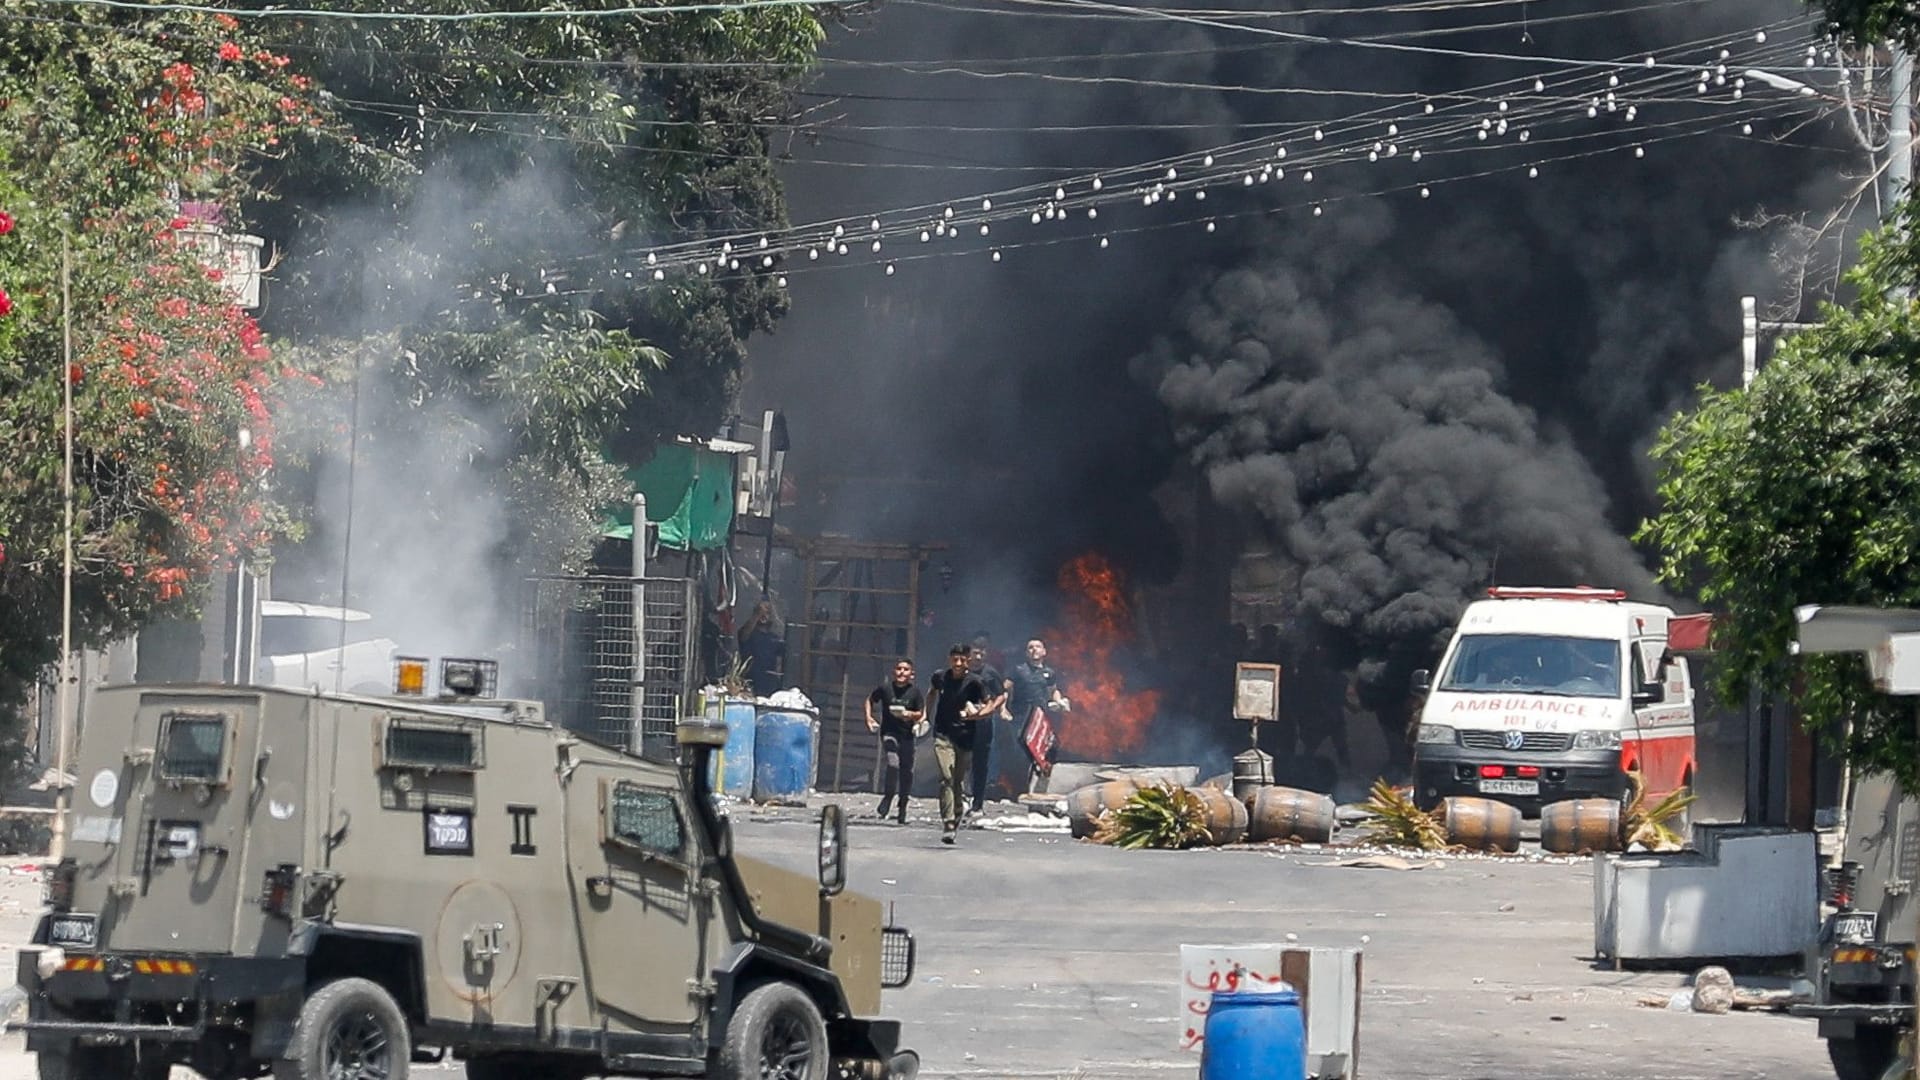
230 51
142 410
6 304
6 223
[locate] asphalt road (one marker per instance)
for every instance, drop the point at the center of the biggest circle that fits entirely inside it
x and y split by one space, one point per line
1044 957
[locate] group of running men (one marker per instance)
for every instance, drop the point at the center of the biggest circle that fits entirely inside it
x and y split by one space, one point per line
964 701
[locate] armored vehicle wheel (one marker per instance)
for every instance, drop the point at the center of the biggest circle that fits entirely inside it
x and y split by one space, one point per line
775 1034
349 1029
91 1062
1871 1054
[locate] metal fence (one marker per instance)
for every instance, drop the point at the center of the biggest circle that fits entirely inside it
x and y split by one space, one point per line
576 655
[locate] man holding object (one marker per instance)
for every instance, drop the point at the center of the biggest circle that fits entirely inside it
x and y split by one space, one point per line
895 710
955 701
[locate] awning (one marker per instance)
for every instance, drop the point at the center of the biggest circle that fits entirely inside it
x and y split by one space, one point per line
690 493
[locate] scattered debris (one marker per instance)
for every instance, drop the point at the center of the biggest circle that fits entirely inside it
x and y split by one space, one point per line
1713 990
1383 862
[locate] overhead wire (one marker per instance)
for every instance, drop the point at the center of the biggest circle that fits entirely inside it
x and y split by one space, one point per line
1646 135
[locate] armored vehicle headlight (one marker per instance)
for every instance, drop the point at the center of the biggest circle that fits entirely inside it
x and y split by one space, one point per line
469 678
700 731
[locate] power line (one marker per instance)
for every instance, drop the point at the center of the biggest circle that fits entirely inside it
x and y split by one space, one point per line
384 15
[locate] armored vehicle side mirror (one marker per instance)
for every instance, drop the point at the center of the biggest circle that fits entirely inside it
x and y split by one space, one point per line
833 850
1422 680
700 731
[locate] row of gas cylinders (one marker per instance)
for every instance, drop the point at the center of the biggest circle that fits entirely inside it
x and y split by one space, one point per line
1570 827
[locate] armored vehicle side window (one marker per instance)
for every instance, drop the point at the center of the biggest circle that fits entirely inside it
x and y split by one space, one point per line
193 747
420 743
643 818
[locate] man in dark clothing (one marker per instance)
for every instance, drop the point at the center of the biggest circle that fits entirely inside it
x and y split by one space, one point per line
1033 684
955 699
894 709
983 740
762 650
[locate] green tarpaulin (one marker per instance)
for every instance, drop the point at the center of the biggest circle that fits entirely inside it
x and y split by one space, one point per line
689 492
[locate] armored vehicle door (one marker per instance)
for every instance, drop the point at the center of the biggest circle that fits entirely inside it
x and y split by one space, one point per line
634 863
190 786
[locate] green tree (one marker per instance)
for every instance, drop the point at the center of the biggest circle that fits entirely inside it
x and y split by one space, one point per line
109 124
1805 488
477 236
1873 21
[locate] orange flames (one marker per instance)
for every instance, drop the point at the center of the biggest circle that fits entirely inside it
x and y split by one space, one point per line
1108 718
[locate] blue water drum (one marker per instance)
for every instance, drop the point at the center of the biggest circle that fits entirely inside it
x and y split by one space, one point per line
783 756
1254 1034
733 765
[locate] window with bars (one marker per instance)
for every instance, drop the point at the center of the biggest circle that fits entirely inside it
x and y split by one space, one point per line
644 818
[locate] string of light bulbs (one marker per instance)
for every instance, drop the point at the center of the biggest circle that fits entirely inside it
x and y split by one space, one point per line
1103 240
1592 97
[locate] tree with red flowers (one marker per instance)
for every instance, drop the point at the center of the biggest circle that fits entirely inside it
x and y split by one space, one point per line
117 136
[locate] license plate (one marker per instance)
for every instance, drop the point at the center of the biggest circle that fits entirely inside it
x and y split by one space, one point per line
1854 927
1510 787
82 931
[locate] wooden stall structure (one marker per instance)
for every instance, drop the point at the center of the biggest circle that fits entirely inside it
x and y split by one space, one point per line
862 608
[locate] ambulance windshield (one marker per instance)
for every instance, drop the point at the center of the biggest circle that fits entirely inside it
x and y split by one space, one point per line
1535 664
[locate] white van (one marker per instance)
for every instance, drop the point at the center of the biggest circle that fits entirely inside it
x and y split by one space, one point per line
314 645
1550 694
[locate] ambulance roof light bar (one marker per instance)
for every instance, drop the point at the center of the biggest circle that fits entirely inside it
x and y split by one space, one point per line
1577 592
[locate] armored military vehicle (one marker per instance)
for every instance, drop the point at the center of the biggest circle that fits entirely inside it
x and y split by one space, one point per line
1863 972
264 881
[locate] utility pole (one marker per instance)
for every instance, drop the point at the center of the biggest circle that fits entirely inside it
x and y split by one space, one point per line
63 700
1899 129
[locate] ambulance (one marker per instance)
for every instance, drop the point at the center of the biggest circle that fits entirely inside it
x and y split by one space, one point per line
1547 694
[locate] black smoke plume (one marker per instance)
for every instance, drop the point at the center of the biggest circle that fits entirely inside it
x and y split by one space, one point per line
1396 403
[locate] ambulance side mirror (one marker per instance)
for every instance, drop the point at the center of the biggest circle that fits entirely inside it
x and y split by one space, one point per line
1422 681
1648 694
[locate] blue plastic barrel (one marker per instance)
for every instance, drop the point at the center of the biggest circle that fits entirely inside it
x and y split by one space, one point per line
1254 1034
733 765
783 756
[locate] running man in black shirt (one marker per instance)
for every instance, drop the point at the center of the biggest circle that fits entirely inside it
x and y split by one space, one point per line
1032 684
983 739
955 701
894 709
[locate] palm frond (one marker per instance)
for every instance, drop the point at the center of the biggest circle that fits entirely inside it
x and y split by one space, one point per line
1161 816
1649 826
1395 820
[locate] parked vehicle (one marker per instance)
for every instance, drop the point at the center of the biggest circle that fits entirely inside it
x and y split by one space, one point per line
1549 694
1862 972
329 887
314 646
